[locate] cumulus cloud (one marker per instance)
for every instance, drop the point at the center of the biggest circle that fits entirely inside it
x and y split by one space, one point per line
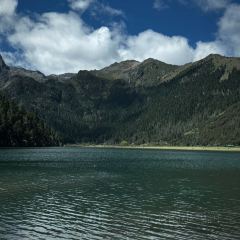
229 29
7 14
227 38
203 49
8 7
58 43
62 42
175 50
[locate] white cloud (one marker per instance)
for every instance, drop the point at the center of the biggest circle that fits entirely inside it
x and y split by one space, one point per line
203 49
7 14
61 42
8 7
227 38
175 50
15 59
80 5
229 29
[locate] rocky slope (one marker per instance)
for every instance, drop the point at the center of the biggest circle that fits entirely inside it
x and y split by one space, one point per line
146 74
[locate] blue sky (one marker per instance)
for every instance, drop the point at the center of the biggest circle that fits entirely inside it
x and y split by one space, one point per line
68 35
174 18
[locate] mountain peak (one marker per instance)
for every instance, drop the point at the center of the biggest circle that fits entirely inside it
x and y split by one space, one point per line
2 64
219 60
149 60
156 61
124 65
214 55
117 70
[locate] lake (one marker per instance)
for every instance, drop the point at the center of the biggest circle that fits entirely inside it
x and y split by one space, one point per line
88 193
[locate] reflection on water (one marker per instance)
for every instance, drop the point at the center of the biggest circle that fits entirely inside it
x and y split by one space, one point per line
75 193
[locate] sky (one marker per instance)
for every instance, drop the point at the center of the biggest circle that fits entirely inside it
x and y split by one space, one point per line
61 36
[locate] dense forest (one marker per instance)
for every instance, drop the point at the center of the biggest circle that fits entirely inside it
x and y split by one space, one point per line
19 128
135 103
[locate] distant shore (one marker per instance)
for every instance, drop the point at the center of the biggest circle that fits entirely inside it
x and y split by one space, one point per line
175 148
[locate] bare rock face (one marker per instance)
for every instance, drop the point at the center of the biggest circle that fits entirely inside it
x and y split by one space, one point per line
36 75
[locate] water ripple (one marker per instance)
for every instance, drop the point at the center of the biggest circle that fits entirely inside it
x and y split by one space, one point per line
118 194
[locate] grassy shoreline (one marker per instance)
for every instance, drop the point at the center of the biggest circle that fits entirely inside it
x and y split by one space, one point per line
175 148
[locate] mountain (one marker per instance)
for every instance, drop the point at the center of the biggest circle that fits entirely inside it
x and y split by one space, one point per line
148 73
147 102
115 71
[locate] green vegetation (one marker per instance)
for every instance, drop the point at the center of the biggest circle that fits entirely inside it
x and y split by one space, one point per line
124 143
152 103
21 129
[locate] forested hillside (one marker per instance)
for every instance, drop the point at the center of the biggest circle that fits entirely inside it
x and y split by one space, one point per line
21 129
138 103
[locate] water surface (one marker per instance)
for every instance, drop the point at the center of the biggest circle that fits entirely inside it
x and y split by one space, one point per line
80 193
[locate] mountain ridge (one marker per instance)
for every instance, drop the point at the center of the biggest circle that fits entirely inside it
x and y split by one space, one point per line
148 102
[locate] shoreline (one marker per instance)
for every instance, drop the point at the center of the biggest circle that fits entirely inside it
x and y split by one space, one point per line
143 147
174 148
